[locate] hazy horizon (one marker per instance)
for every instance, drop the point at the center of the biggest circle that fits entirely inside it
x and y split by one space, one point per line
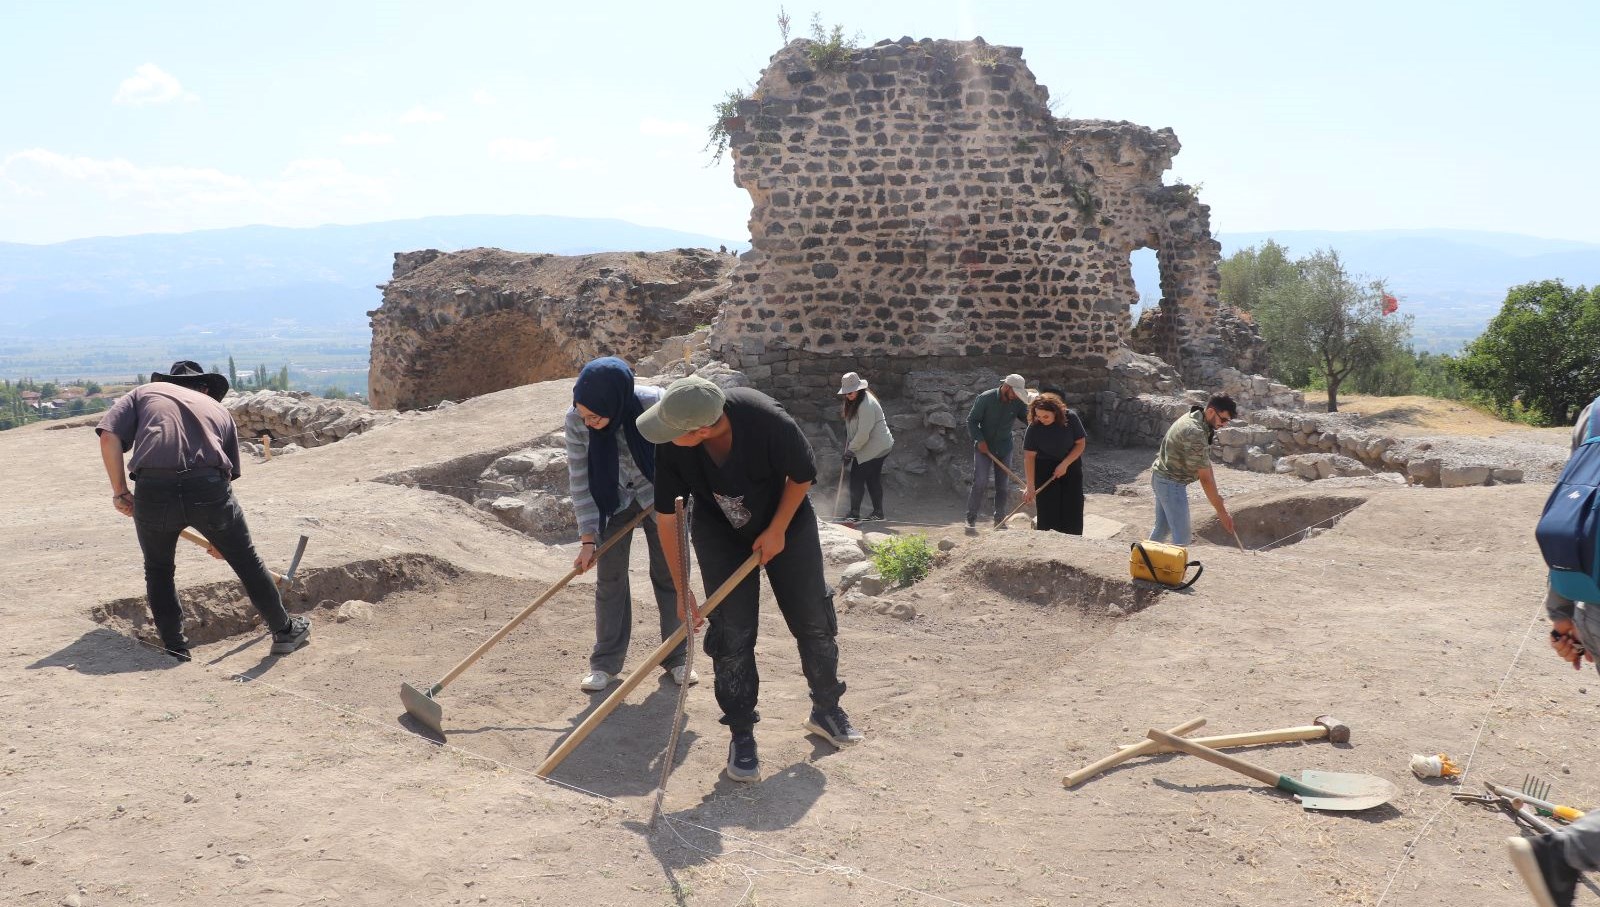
152 118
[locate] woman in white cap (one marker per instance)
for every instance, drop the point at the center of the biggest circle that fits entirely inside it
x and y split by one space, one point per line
867 445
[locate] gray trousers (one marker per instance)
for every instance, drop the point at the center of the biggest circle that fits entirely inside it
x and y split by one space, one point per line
1580 841
982 469
613 596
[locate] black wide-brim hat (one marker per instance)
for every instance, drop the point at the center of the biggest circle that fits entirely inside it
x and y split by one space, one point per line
190 374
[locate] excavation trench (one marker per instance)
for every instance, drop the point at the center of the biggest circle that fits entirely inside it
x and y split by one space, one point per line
1281 521
1051 583
217 611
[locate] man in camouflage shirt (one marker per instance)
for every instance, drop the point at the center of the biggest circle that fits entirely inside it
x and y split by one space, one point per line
1184 457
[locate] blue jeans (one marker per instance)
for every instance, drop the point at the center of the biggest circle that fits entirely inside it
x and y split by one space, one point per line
982 469
1172 510
162 508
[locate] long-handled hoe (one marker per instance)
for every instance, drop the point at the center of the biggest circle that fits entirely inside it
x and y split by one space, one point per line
421 705
634 679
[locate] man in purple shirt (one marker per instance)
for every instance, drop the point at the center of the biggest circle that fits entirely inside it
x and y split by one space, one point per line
185 454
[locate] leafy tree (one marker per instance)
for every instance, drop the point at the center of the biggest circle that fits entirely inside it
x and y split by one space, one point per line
283 379
48 391
1542 350
1328 324
1393 375
91 388
233 372
1248 273
1436 377
139 379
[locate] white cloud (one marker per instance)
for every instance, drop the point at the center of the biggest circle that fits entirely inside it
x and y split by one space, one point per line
666 128
421 115
367 138
128 197
583 164
483 98
150 84
522 151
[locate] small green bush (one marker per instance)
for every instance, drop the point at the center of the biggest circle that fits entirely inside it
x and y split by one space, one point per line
717 133
903 560
830 50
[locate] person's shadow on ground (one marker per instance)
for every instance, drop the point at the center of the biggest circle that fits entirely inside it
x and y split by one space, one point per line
102 651
622 757
709 830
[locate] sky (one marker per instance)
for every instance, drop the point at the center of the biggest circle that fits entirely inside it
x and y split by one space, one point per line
122 118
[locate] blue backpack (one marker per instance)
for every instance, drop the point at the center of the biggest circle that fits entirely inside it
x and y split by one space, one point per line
1569 529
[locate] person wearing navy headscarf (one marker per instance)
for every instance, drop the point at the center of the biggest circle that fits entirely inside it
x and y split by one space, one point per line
612 468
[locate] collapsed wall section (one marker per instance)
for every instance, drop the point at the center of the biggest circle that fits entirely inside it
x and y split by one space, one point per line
920 208
459 324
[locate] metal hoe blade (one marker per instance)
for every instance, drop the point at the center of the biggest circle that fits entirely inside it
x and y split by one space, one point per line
1343 791
422 707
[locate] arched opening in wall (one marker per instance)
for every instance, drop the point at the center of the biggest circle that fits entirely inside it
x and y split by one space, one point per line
484 355
1146 279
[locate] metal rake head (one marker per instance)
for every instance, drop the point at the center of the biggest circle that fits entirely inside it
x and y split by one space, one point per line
1535 787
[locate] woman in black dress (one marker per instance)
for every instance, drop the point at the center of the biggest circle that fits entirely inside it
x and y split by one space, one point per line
1053 449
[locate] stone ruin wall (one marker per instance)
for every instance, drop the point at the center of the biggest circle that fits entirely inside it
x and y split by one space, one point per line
920 211
454 325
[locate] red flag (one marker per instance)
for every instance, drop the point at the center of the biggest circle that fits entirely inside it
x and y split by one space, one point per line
1390 304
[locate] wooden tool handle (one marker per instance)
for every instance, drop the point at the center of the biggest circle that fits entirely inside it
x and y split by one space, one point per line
537 603
189 535
1126 753
1015 509
1282 735
1263 775
641 672
1001 463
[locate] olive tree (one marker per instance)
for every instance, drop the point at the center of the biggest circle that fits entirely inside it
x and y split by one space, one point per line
1326 323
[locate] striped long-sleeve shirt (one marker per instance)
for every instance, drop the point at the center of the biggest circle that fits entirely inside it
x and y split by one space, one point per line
634 487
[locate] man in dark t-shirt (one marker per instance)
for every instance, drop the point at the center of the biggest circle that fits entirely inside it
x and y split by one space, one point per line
746 467
185 454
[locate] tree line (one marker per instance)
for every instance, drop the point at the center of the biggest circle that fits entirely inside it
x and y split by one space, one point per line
1538 361
19 406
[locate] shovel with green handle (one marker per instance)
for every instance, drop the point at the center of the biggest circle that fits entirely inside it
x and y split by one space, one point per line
1317 790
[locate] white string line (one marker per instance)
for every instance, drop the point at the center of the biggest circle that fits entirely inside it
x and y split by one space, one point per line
820 866
1483 725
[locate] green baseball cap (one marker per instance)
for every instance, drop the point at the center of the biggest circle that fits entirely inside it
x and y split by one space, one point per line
688 404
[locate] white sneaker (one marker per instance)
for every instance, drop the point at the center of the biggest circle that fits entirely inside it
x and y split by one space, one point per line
678 672
595 681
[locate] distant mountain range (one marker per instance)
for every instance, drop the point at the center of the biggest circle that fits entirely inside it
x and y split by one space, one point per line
262 277
256 279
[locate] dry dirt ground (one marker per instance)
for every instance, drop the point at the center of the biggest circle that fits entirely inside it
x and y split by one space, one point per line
247 779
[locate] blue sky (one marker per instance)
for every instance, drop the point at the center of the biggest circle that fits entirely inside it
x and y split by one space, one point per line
125 118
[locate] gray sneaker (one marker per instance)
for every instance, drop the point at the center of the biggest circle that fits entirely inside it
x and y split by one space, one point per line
292 637
743 763
834 726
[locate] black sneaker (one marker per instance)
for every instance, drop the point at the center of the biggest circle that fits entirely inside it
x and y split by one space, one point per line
743 763
834 726
972 521
1546 873
875 517
999 522
181 654
852 518
291 637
